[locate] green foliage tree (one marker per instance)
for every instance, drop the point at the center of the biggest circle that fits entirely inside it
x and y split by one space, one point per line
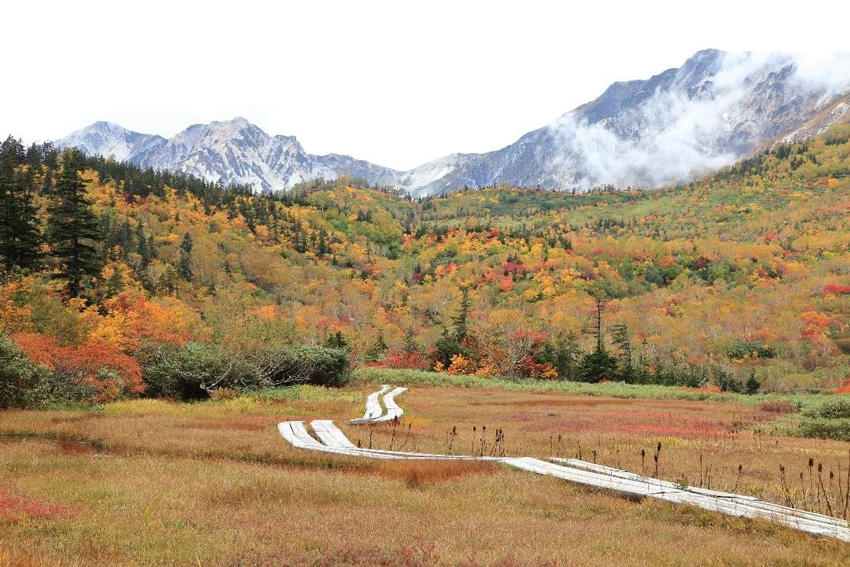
565 354
752 384
143 248
410 344
446 347
336 340
599 364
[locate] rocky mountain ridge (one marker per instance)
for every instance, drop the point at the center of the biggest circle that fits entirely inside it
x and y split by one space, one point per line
678 124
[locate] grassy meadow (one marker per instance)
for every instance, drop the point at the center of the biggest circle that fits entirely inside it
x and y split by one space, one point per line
152 482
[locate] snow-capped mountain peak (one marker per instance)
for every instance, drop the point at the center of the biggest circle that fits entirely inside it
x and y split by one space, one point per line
230 151
714 109
109 139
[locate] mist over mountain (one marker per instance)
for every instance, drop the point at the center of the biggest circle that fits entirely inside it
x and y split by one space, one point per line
671 127
704 115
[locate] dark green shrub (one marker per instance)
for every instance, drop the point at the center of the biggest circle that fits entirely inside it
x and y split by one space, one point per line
447 347
752 385
837 408
564 353
192 372
321 366
754 349
598 365
23 384
838 429
727 382
68 385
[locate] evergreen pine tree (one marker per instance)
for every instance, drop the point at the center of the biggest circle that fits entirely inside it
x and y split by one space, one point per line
73 232
184 264
323 242
567 356
752 385
622 338
142 247
598 365
410 345
168 282
377 349
461 320
20 237
336 341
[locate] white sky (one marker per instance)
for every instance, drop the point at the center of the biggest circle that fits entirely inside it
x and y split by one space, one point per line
395 82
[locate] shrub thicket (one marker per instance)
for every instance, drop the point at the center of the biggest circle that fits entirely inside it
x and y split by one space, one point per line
838 408
22 383
822 428
320 366
193 372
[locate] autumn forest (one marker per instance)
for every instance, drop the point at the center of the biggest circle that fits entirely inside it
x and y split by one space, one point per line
117 282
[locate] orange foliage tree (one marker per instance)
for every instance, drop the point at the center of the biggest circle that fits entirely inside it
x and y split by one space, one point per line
86 363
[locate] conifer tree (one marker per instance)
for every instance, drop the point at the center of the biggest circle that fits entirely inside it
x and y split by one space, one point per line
622 338
460 320
323 242
336 341
184 265
20 237
598 365
377 349
142 247
567 356
410 345
73 228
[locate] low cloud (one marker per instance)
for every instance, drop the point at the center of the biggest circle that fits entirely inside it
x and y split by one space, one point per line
679 133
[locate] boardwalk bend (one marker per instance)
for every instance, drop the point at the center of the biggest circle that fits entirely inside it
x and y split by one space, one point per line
330 439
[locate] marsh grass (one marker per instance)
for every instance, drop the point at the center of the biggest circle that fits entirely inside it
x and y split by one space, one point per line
372 376
212 483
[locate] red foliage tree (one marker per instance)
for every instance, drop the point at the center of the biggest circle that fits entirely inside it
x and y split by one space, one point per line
86 362
836 289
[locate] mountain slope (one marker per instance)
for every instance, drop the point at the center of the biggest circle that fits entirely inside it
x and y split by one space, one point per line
833 114
741 272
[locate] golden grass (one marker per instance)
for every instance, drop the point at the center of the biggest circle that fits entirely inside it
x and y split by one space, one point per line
703 442
153 483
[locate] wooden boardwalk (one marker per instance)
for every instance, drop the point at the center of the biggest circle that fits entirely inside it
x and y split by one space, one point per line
330 439
373 406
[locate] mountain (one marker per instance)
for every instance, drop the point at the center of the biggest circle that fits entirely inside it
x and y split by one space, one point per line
676 125
835 113
716 108
108 139
234 151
